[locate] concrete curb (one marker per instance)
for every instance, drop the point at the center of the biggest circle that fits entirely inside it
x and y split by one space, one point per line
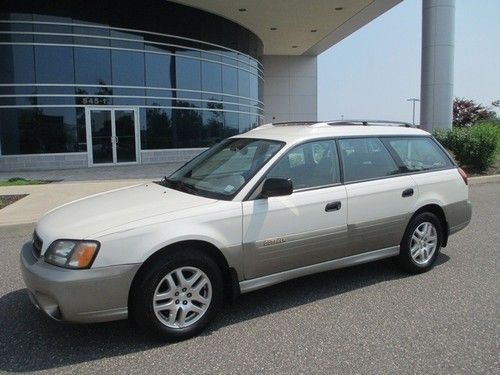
494 178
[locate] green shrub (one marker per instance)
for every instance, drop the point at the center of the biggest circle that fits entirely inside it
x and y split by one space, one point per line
476 147
16 179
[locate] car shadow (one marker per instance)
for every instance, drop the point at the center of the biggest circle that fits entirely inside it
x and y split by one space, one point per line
30 341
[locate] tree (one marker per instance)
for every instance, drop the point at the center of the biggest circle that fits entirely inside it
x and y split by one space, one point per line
466 112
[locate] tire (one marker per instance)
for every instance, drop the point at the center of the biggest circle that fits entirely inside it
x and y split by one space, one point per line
421 243
165 285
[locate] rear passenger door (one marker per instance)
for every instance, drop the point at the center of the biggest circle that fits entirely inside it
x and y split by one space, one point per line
380 199
307 227
435 175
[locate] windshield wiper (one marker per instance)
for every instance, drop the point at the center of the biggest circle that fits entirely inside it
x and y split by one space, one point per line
164 182
179 185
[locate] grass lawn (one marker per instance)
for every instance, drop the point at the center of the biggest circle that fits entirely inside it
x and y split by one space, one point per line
18 181
5 200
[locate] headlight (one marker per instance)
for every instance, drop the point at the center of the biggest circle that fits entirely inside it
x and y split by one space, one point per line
72 253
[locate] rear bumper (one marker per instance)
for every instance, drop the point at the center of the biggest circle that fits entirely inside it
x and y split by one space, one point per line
458 216
84 296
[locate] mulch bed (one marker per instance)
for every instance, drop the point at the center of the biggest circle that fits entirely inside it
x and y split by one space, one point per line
5 200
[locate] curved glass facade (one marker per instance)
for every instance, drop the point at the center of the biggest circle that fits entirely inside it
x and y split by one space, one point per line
193 78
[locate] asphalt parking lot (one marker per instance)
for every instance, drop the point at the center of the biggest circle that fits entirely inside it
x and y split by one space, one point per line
366 319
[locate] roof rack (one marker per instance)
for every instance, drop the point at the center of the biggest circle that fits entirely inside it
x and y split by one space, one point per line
294 123
347 123
372 123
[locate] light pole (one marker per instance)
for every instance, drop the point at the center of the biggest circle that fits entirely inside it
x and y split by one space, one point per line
413 100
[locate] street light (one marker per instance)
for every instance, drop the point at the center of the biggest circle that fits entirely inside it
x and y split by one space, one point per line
413 100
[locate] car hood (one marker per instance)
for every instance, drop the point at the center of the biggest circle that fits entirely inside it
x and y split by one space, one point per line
82 218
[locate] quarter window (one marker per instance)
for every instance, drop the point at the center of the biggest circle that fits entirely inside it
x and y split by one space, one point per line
419 154
366 158
309 165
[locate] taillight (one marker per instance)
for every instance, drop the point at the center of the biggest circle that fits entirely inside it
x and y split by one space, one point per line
463 175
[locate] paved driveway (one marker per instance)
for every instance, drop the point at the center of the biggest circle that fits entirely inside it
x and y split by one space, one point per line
366 319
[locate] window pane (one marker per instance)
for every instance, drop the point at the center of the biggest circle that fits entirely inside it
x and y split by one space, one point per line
188 73
128 68
159 70
213 127
211 77
17 64
54 65
254 86
365 158
419 154
229 80
92 66
243 83
309 165
244 121
38 130
231 126
159 132
188 127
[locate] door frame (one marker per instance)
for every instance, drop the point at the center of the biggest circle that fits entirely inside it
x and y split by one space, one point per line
88 130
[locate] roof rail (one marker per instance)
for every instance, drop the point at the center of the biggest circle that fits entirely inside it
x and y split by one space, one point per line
294 123
372 122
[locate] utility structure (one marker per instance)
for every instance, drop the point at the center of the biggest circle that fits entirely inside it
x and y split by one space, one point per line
413 100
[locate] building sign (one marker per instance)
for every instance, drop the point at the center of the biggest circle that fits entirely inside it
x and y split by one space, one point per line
93 100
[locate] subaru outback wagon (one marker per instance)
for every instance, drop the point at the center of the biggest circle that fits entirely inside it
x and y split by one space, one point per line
278 202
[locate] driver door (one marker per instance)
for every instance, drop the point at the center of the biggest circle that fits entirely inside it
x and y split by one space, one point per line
307 227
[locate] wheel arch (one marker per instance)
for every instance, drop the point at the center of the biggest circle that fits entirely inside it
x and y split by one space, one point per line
229 274
439 212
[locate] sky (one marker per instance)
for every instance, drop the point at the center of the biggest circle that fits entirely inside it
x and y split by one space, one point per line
371 73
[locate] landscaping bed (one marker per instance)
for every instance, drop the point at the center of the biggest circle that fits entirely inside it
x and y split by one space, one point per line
5 200
19 181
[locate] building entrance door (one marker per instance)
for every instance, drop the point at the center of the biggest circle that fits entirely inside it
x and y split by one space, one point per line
112 136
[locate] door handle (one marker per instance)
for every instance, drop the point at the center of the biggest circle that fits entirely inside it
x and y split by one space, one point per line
333 206
407 193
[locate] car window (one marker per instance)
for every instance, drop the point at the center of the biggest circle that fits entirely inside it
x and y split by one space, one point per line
224 169
366 158
309 165
419 154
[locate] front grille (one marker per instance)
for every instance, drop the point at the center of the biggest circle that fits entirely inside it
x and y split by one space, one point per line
37 245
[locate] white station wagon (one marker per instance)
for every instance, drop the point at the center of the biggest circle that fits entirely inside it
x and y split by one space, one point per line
281 201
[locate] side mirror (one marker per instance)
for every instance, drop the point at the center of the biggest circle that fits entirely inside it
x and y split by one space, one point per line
276 187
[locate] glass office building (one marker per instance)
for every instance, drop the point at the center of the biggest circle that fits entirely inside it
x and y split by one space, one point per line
87 83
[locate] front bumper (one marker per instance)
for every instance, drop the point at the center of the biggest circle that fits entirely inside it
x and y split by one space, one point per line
84 296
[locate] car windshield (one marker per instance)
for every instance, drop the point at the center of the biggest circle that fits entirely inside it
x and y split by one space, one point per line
223 170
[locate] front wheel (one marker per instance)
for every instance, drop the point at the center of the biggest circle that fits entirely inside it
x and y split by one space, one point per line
421 243
178 296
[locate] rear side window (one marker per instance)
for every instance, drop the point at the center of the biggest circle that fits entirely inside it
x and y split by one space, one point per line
366 158
419 154
309 165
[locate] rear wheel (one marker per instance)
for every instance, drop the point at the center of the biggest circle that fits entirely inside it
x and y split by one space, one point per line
421 243
179 295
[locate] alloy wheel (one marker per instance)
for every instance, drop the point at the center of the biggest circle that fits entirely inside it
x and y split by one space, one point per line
423 243
182 297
